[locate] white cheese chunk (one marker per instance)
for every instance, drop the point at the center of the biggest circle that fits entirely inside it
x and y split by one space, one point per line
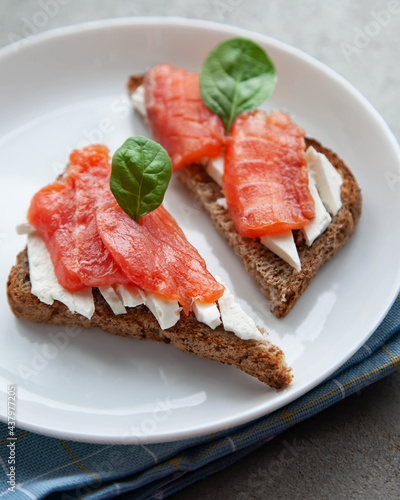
322 219
83 302
25 228
207 313
44 283
283 246
327 179
222 203
235 320
130 296
167 312
215 168
138 102
112 299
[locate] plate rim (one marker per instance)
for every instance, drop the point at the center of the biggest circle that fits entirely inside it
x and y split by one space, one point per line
227 29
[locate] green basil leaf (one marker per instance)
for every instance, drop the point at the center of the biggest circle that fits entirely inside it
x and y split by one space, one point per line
236 76
141 170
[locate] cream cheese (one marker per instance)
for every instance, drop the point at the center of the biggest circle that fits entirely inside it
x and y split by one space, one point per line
327 179
236 320
222 203
283 246
167 312
130 296
25 228
215 168
321 220
138 102
207 313
44 283
112 299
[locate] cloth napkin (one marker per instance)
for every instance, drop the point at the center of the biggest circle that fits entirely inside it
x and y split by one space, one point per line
53 468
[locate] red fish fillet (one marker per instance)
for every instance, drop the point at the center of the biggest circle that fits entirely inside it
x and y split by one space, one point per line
97 267
178 117
156 255
63 213
93 242
53 213
265 177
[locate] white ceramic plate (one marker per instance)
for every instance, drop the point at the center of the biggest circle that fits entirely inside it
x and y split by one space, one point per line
67 87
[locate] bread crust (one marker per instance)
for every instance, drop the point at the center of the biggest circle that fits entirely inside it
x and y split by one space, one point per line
260 359
278 281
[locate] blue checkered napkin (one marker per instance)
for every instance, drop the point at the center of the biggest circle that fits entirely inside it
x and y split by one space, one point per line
68 470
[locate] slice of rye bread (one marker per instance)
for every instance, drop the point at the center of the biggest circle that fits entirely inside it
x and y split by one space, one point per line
278 281
260 359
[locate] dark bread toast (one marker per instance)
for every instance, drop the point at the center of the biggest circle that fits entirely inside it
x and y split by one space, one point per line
259 359
279 282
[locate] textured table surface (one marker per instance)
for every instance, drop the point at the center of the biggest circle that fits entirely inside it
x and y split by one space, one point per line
351 450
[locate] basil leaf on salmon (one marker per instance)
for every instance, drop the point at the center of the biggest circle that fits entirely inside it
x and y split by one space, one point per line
236 76
141 171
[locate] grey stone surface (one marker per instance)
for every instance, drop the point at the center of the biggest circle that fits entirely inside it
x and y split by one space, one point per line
352 449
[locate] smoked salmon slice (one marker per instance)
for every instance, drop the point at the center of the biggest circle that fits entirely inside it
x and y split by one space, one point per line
63 213
178 118
93 242
53 214
156 255
96 266
265 178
